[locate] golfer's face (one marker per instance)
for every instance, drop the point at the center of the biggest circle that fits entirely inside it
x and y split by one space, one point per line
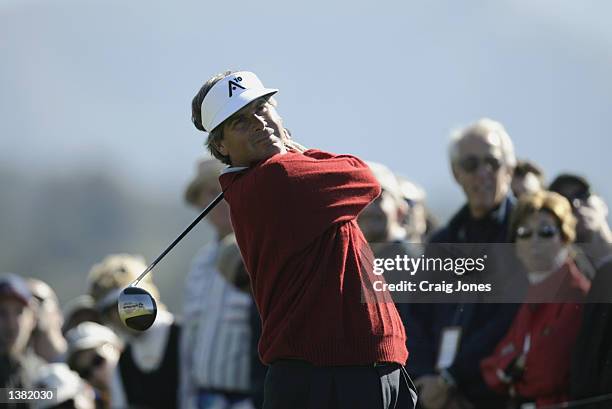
252 134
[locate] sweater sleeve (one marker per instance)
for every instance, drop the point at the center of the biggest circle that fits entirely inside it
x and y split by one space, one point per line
322 190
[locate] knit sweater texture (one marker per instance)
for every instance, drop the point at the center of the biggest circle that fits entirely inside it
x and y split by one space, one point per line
294 216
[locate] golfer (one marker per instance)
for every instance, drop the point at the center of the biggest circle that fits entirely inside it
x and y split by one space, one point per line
294 213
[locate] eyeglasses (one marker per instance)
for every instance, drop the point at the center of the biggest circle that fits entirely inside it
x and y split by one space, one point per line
544 232
471 163
86 371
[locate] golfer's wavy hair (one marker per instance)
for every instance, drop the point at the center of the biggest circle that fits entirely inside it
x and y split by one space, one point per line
554 204
215 135
482 128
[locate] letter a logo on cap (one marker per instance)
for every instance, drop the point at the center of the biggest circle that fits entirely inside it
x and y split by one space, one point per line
217 106
233 86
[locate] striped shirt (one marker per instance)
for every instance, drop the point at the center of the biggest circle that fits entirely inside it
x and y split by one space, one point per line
215 347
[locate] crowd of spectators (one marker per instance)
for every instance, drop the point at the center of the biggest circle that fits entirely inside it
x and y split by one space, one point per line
501 356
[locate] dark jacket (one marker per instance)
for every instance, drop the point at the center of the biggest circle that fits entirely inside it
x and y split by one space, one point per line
482 325
19 372
591 372
156 389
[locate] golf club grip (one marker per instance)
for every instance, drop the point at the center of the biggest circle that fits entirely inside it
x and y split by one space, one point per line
212 204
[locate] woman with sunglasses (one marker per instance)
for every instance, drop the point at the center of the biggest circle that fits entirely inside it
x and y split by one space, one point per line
531 363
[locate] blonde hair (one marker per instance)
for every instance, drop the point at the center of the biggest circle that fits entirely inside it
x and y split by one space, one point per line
115 272
551 202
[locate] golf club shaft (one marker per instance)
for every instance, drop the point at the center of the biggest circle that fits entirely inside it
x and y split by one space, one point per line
180 237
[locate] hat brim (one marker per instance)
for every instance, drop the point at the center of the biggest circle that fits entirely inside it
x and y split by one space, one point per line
196 186
14 295
240 101
87 343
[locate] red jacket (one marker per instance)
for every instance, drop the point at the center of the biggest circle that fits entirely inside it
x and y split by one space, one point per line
545 334
294 216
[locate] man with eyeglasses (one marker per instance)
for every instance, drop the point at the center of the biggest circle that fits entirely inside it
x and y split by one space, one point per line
482 162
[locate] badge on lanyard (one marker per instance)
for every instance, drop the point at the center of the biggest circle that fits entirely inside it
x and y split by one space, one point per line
449 345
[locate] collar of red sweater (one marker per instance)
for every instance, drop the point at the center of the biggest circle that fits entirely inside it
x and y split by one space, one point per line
234 169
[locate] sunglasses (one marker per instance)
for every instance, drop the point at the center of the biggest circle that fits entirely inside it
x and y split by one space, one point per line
471 163
86 371
544 232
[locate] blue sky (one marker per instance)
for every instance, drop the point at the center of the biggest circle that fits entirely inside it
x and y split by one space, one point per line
109 84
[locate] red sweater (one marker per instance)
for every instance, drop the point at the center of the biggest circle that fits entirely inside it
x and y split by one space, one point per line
552 329
294 216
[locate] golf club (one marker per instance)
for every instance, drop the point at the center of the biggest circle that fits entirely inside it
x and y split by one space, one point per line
137 307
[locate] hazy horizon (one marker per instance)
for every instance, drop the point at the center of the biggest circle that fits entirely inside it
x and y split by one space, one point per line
106 87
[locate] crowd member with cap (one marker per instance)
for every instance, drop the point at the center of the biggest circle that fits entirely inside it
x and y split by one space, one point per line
215 343
528 178
482 161
294 213
18 364
531 364
70 391
78 310
47 339
591 373
147 373
418 221
381 221
93 352
594 236
382 224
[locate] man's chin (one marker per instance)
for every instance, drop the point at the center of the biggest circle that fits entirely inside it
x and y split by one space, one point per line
272 150
481 204
276 148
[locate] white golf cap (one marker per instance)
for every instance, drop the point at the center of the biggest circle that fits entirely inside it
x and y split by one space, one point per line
230 95
410 190
386 178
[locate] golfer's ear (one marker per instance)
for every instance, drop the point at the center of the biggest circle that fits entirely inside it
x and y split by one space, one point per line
220 145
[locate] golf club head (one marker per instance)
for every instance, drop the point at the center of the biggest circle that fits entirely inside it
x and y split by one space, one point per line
137 308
